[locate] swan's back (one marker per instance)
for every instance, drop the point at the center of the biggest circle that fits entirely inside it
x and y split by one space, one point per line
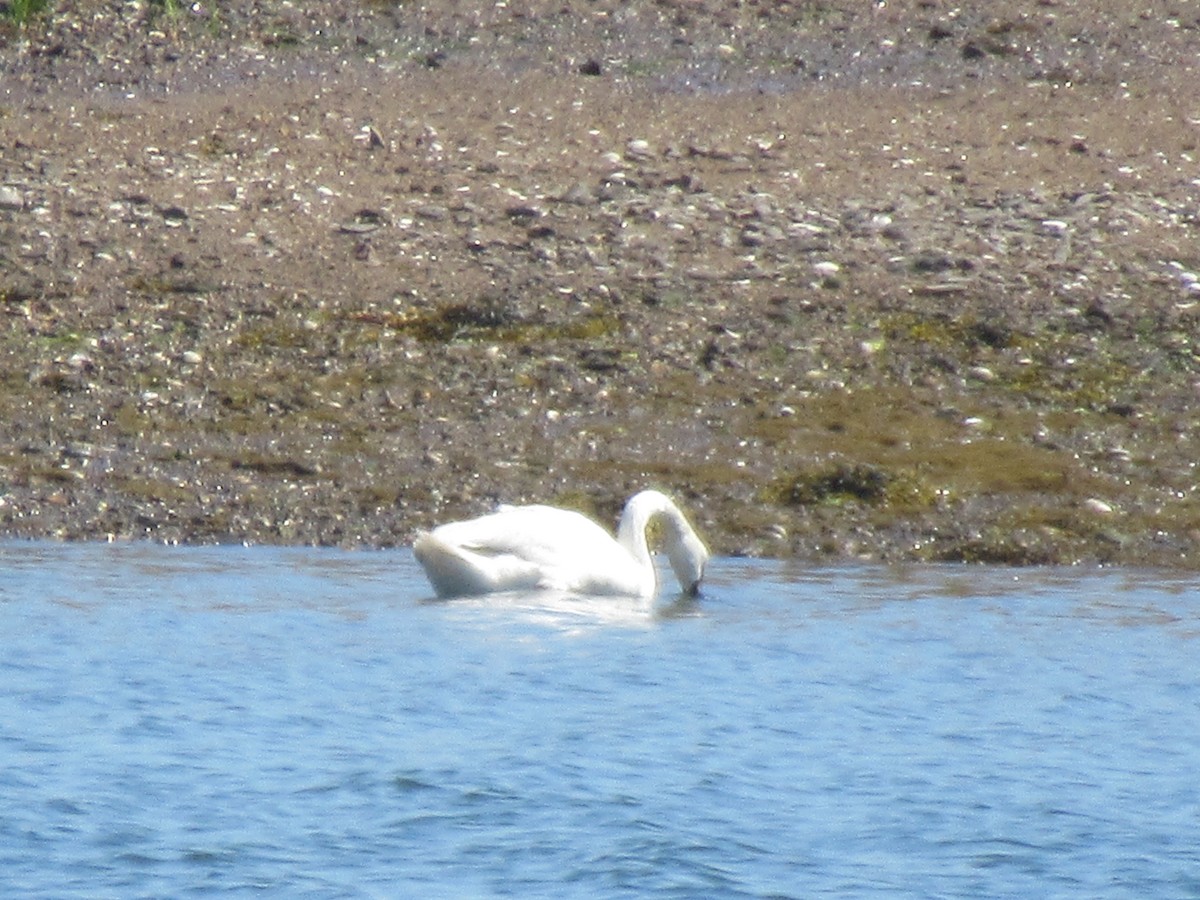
523 548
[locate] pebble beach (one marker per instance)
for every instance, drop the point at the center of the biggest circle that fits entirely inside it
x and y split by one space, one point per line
898 282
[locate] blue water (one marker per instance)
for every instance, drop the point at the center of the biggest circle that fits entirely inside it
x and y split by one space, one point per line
304 723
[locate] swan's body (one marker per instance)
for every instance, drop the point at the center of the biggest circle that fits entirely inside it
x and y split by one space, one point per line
544 548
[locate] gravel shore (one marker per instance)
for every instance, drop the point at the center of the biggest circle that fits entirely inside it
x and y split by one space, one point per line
890 281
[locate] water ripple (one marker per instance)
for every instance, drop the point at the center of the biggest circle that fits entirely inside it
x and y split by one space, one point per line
302 723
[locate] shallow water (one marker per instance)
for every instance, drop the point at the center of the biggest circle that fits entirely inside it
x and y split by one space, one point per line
306 723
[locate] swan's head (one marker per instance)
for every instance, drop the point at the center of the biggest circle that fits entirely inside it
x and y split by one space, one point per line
688 556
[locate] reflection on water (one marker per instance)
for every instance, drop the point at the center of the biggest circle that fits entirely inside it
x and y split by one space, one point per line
311 723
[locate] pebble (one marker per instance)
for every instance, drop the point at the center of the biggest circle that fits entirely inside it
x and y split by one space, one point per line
81 362
1097 506
638 149
11 197
579 193
370 136
752 237
1055 227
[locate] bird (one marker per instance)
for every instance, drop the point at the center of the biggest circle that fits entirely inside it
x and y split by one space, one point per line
537 547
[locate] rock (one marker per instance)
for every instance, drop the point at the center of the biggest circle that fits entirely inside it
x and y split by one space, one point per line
829 273
523 212
364 222
81 362
931 262
579 194
752 237
174 216
11 197
638 149
370 136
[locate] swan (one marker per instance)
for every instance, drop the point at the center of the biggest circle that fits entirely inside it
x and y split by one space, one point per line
545 548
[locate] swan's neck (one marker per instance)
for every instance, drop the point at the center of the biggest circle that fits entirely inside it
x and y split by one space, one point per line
631 534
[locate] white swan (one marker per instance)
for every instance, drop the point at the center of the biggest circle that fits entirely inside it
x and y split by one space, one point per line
541 547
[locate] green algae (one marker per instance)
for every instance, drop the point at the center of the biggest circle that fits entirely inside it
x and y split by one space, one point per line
487 320
22 12
839 483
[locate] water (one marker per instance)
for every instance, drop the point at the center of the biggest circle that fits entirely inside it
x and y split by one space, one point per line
302 723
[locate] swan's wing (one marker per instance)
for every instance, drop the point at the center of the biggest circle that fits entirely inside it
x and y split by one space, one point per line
566 550
456 571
